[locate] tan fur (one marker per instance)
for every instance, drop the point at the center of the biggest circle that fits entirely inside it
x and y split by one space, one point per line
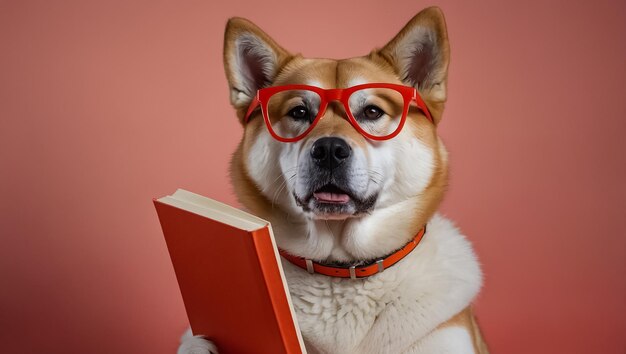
466 319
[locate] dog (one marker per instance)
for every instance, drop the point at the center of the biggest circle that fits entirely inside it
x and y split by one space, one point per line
343 158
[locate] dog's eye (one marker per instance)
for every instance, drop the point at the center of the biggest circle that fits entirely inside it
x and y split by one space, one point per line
371 112
299 113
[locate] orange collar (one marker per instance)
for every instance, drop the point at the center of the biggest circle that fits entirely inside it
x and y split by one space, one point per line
353 271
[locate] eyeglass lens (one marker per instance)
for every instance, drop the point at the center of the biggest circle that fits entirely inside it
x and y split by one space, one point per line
378 111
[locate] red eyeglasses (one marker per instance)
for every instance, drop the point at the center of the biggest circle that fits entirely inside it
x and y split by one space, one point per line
376 110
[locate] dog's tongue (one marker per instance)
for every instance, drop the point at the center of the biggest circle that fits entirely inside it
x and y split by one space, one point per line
331 197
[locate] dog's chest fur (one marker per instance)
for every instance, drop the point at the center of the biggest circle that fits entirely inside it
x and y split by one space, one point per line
389 312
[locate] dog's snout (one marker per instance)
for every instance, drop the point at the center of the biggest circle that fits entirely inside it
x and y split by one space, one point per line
330 152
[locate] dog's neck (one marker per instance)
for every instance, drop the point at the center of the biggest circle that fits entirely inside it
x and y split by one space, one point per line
353 240
359 269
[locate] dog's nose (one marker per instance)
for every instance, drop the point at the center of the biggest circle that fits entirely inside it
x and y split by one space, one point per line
330 152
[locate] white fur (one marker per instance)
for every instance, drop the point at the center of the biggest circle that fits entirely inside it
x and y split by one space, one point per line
391 311
449 340
395 311
191 344
357 81
315 83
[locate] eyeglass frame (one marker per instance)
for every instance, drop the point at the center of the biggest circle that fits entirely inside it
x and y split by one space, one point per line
342 95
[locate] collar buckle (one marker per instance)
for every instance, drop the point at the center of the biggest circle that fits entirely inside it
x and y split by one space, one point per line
309 266
352 272
380 265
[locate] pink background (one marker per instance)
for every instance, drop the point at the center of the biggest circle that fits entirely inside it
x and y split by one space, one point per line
104 105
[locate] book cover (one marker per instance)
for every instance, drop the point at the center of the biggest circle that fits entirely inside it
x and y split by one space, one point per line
227 266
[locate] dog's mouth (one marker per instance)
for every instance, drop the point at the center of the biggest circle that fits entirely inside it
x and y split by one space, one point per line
331 194
332 202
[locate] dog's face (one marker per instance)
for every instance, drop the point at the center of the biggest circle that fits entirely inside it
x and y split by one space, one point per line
334 172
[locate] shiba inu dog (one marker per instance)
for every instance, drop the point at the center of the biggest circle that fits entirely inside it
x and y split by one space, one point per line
343 158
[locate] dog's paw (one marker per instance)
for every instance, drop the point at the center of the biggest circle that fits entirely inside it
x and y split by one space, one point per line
190 344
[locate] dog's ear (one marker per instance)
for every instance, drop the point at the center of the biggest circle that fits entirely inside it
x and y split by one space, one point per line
251 60
420 54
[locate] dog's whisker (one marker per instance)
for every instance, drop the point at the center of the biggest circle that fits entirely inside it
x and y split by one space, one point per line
281 175
281 188
277 192
287 171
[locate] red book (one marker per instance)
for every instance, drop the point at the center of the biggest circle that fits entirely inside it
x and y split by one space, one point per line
228 270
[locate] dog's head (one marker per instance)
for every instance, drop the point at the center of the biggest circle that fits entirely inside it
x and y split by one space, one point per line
335 174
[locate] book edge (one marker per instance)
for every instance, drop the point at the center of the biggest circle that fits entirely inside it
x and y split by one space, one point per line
217 205
285 287
211 213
